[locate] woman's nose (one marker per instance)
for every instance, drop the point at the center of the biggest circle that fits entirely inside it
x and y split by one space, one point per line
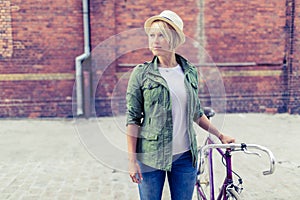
156 39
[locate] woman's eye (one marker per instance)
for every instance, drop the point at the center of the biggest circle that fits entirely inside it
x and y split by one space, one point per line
152 35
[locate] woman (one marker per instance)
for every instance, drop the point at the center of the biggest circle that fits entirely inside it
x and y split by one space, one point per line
162 105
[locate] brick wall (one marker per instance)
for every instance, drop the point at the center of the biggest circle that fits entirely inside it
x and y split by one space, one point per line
6 42
245 42
294 56
39 42
103 26
245 31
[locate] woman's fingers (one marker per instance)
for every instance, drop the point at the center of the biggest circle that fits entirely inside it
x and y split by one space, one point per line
135 173
136 177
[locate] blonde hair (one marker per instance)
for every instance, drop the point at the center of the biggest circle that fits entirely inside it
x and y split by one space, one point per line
169 33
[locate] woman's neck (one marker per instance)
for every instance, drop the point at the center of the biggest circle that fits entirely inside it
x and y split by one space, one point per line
168 61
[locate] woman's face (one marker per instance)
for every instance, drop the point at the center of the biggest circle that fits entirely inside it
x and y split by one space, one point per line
158 44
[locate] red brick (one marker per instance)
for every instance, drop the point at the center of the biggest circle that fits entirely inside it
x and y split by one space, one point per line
47 36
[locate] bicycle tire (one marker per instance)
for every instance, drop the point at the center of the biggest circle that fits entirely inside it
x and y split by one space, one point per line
199 197
204 180
232 194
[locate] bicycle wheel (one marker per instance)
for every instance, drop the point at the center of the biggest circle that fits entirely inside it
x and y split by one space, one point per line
203 182
200 193
232 194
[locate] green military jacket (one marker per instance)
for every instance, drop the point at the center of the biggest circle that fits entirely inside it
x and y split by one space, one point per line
149 106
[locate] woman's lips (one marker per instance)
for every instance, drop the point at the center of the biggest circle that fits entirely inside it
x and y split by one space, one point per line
155 48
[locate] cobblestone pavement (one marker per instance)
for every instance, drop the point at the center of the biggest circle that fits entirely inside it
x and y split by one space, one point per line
50 158
45 159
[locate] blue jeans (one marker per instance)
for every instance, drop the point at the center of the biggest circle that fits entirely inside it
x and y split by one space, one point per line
181 178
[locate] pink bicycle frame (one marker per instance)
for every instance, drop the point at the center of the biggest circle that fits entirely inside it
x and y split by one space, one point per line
228 179
227 155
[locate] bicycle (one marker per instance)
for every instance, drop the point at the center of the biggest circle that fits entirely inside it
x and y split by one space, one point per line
230 190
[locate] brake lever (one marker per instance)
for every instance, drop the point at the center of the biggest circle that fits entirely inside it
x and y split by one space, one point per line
244 148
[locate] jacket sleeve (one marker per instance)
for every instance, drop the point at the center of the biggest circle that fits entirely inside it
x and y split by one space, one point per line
134 98
199 111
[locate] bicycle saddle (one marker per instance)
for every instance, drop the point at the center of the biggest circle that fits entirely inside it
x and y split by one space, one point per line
209 112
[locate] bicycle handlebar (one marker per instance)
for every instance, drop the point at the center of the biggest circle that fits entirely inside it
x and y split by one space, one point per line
243 147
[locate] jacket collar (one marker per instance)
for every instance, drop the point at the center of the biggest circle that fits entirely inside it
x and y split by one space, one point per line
185 65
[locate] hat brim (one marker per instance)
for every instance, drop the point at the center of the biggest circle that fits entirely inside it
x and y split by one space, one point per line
150 20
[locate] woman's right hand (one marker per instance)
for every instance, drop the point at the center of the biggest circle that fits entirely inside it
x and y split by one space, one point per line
135 172
134 167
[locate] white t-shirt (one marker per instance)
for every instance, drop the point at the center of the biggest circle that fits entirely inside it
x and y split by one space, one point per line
175 80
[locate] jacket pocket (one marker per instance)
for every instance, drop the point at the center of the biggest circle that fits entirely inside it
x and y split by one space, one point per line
148 134
151 92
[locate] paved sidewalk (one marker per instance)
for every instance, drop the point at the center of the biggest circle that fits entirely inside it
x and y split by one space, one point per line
83 159
45 159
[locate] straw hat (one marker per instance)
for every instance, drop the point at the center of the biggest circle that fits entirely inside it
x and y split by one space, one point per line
169 17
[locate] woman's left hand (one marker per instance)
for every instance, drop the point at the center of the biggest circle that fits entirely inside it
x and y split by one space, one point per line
226 139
